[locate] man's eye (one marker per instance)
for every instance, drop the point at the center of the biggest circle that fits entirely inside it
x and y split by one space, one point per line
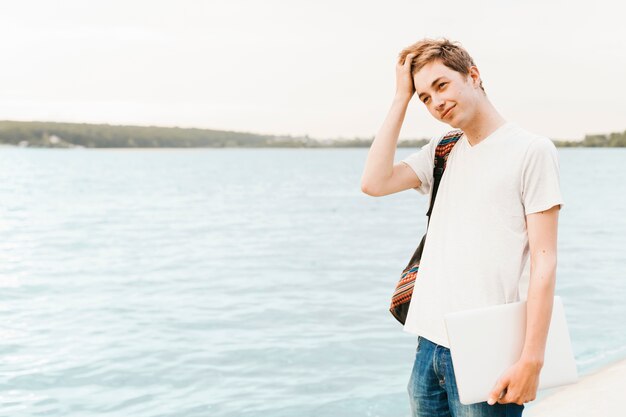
441 84
425 99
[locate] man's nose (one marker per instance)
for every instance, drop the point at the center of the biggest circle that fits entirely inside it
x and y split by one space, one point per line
438 102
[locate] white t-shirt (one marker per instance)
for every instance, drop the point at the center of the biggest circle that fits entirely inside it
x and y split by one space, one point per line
476 251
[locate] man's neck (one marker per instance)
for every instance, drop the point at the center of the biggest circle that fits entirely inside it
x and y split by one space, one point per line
486 121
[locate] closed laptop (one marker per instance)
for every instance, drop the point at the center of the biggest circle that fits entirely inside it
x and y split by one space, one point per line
485 342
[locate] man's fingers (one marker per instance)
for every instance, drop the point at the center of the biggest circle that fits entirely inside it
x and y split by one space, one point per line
498 392
504 398
409 58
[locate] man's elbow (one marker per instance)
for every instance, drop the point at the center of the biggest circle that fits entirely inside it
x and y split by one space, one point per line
544 260
544 270
368 189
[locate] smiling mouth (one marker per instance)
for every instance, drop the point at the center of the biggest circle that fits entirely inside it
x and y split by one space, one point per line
447 111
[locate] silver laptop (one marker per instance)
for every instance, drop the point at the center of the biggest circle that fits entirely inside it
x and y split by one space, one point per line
485 342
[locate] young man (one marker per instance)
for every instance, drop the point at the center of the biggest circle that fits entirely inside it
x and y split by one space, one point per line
497 206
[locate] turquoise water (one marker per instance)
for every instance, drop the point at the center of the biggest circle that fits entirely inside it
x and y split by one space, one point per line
245 282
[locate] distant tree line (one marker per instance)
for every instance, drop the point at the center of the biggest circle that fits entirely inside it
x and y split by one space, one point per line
612 140
52 134
108 136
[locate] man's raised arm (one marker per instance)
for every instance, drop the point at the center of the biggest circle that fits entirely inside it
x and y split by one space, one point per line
381 176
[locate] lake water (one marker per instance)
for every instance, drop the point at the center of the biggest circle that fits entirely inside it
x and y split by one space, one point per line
245 282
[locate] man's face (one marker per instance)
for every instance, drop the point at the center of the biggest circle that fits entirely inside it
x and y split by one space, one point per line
448 95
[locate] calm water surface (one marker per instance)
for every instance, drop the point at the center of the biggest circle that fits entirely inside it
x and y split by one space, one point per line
245 282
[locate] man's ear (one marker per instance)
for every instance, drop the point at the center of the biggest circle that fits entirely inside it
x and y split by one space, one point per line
474 76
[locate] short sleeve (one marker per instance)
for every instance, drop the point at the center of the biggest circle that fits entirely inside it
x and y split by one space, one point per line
422 163
540 177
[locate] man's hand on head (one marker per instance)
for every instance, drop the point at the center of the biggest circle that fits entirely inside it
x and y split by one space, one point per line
404 79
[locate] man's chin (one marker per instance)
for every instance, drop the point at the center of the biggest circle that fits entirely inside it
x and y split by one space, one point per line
455 124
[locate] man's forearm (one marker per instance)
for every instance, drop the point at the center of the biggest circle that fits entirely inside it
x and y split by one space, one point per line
379 163
539 305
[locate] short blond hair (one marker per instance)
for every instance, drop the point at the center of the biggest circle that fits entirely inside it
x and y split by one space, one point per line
450 53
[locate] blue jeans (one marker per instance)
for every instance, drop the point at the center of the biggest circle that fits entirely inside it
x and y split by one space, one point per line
433 391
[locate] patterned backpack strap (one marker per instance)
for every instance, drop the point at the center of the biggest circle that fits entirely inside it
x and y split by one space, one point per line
446 144
444 147
401 298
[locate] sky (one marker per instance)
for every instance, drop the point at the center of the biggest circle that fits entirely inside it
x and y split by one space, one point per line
320 68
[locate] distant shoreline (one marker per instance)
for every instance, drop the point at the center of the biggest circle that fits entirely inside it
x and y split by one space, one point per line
104 136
